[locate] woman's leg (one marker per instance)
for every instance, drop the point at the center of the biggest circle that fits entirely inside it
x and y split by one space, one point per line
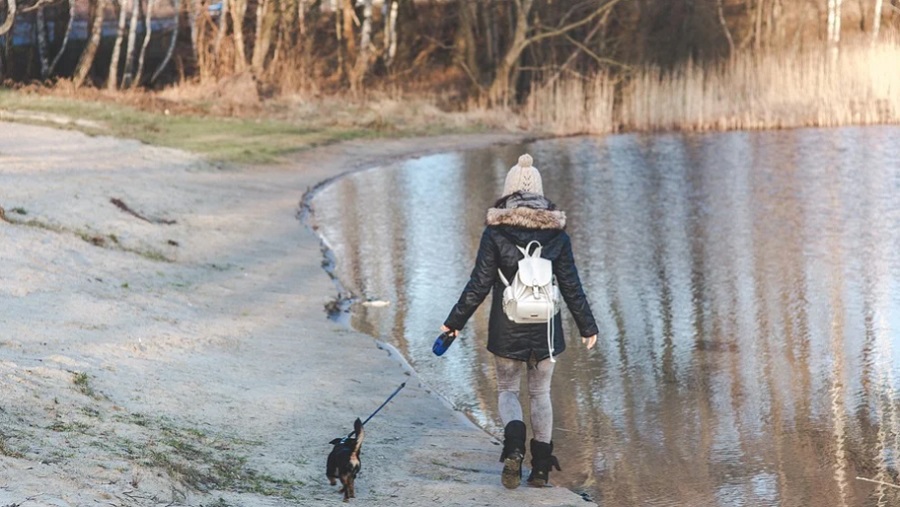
542 458
509 377
539 394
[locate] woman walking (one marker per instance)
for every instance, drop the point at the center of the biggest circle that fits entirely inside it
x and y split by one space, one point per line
521 217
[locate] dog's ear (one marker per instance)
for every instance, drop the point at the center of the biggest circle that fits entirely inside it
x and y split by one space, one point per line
357 426
336 441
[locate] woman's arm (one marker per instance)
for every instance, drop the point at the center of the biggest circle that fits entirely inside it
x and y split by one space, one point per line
482 279
572 291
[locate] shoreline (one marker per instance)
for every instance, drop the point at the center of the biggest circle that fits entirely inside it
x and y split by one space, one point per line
191 363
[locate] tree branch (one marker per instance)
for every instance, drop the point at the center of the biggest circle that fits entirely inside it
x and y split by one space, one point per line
10 17
571 26
595 56
37 5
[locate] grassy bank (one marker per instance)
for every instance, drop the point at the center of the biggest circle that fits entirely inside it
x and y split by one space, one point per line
230 129
858 86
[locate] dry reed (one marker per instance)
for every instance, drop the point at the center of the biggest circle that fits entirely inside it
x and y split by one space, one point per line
570 105
859 86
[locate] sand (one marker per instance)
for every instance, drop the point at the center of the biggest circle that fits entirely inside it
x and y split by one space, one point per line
174 349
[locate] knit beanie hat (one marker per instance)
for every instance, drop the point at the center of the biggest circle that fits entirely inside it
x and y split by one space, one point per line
523 177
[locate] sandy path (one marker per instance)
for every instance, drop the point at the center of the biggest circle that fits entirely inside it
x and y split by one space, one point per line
146 363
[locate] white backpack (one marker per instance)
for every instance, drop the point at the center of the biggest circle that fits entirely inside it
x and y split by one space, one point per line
533 296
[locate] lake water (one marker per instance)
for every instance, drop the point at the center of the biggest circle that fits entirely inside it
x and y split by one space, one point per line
746 286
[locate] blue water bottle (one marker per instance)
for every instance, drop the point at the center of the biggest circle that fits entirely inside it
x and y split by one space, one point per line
442 343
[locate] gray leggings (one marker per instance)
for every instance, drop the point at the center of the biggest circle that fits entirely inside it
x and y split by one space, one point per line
509 377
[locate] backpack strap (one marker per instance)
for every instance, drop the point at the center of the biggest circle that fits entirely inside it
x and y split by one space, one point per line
537 251
503 278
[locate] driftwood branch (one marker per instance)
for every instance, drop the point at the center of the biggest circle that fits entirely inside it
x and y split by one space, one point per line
119 203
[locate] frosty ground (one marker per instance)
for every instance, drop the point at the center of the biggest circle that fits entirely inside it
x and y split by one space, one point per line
163 339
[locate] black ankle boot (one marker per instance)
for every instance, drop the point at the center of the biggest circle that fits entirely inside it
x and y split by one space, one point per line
513 454
542 460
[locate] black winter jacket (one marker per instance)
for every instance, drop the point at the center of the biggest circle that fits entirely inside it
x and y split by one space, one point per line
516 220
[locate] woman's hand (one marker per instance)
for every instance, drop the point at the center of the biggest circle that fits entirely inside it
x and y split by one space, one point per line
445 329
589 342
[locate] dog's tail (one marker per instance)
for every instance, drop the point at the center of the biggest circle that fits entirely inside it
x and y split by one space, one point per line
360 434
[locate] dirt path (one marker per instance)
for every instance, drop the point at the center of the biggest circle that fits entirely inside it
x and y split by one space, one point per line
163 339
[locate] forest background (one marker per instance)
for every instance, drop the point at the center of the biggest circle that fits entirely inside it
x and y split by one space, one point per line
557 66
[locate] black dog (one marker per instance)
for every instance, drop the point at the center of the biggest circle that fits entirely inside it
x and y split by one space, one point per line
343 462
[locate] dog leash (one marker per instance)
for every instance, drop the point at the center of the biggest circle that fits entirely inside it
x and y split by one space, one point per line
379 408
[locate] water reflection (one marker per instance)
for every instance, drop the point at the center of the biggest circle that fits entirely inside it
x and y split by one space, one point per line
746 289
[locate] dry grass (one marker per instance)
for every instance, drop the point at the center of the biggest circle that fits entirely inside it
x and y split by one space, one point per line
859 86
238 119
573 106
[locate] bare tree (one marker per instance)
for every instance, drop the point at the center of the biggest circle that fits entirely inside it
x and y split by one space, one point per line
720 9
500 87
238 13
757 25
348 15
10 17
265 27
128 73
95 26
171 49
65 39
363 58
834 23
876 21
194 8
465 47
391 29
222 27
40 28
112 81
148 31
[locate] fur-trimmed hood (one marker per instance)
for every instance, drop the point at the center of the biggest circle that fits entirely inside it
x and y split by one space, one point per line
526 210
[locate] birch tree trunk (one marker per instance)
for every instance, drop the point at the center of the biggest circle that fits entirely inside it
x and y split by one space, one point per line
65 40
338 35
834 27
361 66
148 31
193 14
128 73
177 8
40 27
90 51
834 22
112 81
393 14
265 25
876 21
238 12
720 10
10 17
